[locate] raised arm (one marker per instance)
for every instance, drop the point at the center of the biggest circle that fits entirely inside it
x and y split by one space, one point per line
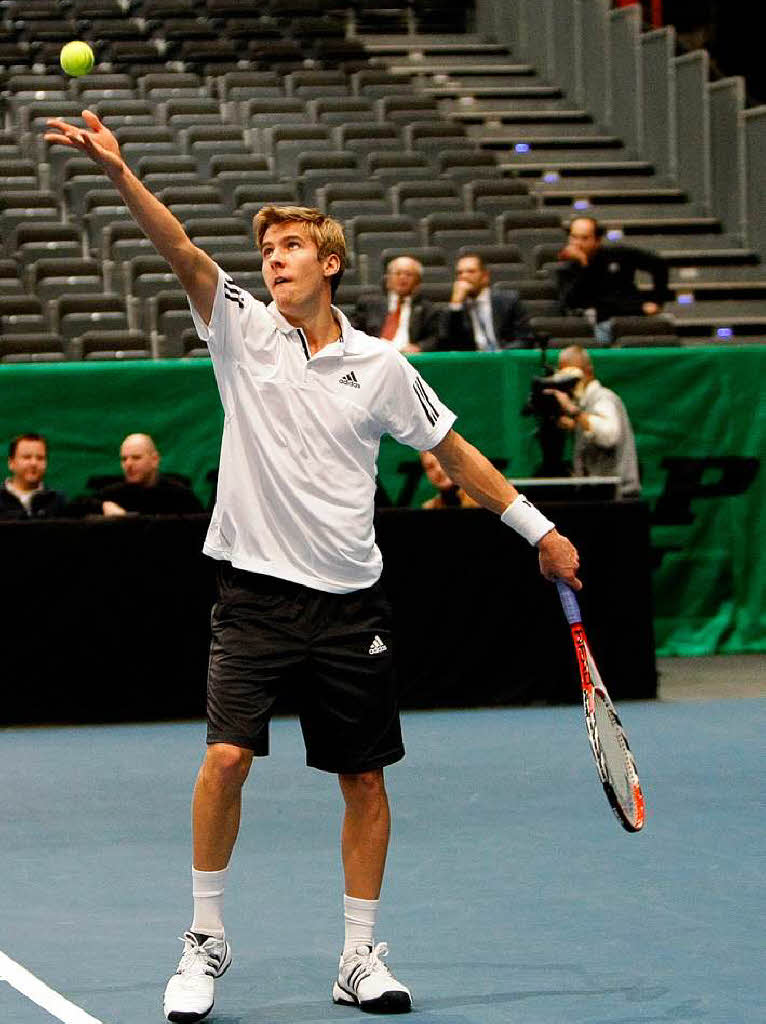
478 477
193 267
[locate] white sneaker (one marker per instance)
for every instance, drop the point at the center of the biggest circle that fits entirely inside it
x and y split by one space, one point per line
189 993
365 981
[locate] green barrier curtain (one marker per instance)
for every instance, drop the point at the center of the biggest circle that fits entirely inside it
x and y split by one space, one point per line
698 415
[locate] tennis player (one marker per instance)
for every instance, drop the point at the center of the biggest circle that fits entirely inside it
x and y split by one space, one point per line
306 400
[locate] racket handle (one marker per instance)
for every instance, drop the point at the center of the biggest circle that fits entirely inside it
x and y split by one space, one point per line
569 602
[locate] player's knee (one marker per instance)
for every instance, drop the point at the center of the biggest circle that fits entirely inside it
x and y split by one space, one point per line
364 788
226 766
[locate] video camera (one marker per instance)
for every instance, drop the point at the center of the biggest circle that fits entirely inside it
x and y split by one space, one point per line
545 407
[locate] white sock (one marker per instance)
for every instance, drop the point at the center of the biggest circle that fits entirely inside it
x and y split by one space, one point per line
207 890
359 916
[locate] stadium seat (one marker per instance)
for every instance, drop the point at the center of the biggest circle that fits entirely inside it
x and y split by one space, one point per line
125 113
165 85
643 331
183 111
392 166
18 175
49 278
206 141
560 331
368 236
24 207
103 85
219 234
336 110
34 347
492 196
22 314
316 169
248 199
73 315
47 238
375 84
111 344
316 84
348 199
287 144
363 137
233 86
10 279
528 239
406 109
451 231
418 198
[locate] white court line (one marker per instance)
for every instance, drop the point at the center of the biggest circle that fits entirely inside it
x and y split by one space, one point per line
25 982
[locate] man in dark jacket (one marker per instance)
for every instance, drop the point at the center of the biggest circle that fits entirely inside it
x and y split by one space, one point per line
401 315
598 276
23 495
145 490
480 317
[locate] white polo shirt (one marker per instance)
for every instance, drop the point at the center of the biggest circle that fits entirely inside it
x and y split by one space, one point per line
301 434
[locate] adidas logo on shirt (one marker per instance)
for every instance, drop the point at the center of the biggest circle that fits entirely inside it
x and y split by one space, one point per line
352 382
377 646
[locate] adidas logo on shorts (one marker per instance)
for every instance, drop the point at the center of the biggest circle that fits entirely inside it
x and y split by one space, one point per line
377 646
350 380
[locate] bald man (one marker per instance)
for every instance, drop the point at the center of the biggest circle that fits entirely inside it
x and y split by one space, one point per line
144 490
401 315
604 444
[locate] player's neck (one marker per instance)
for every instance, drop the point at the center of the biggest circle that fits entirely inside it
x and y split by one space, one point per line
318 325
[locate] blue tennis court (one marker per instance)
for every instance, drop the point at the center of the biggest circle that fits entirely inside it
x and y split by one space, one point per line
512 894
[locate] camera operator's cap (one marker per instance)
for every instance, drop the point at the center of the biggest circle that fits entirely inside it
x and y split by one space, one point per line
567 375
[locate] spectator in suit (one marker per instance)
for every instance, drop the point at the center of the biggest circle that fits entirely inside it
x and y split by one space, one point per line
594 275
401 315
144 489
24 494
480 316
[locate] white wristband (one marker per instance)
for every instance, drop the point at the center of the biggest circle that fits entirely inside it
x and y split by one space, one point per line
525 519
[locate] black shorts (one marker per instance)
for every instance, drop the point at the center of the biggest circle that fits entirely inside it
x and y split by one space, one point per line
332 654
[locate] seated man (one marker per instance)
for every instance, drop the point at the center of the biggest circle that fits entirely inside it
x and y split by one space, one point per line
145 490
450 495
24 495
598 276
481 317
604 444
401 316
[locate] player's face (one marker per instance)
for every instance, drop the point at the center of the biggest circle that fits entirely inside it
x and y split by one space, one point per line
139 462
28 464
402 277
470 270
295 277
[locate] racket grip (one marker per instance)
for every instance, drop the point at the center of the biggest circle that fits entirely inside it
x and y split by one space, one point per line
569 602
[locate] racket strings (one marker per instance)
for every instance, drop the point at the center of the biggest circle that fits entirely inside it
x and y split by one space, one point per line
615 756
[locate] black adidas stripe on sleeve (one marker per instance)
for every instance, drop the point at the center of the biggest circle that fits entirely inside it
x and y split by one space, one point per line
429 408
233 293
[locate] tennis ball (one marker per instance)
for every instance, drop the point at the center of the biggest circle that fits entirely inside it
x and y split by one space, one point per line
77 58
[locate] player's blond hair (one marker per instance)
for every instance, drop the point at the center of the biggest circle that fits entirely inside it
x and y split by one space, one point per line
325 232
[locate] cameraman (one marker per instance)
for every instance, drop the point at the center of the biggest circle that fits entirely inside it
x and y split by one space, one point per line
604 444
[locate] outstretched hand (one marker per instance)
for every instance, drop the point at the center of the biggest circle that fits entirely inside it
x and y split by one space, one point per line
97 141
559 559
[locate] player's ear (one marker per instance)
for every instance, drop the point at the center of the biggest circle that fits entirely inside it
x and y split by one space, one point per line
331 264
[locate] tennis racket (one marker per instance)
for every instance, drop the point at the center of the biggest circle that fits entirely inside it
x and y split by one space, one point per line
615 764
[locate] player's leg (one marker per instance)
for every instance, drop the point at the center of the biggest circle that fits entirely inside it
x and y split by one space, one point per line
248 662
365 834
350 722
